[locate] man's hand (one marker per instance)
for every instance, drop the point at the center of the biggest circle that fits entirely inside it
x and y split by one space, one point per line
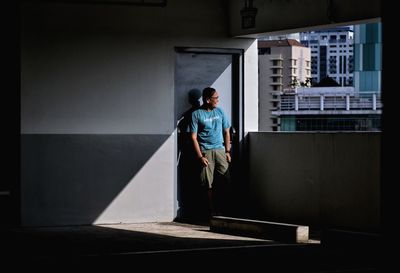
228 157
204 161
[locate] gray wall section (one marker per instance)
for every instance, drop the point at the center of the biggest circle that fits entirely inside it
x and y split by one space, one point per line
94 83
328 179
73 179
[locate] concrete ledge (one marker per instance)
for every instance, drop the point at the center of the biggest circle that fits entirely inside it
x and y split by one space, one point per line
260 229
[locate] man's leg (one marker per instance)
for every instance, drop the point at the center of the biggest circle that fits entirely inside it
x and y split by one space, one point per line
207 179
222 182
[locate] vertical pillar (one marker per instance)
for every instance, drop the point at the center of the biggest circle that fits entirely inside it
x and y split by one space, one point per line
321 102
374 101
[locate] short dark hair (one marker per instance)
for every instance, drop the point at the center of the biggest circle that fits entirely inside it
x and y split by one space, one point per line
208 92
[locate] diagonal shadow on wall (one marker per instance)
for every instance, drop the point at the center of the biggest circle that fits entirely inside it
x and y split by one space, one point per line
72 179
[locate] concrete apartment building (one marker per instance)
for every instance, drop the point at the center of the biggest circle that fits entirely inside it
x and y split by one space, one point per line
282 64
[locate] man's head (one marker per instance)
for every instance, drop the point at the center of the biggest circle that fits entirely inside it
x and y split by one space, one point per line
210 97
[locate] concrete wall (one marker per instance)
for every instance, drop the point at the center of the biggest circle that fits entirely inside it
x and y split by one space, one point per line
97 106
281 17
324 179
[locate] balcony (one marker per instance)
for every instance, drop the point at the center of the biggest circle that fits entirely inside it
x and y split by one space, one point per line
329 103
276 57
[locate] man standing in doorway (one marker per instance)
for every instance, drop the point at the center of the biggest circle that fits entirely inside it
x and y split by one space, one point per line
211 139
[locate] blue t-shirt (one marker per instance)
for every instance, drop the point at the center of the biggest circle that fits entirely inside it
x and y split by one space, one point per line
209 126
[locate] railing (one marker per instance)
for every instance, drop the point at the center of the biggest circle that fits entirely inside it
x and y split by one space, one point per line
276 57
331 101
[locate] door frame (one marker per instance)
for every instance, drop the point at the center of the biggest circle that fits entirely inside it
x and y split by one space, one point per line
239 166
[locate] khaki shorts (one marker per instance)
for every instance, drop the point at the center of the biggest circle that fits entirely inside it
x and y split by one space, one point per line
216 162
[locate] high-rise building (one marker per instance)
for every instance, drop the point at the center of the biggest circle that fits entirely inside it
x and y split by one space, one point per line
282 64
368 57
331 54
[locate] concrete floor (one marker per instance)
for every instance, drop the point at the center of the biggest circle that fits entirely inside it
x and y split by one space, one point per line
172 244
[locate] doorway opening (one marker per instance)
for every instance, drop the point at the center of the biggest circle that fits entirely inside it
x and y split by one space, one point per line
195 69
